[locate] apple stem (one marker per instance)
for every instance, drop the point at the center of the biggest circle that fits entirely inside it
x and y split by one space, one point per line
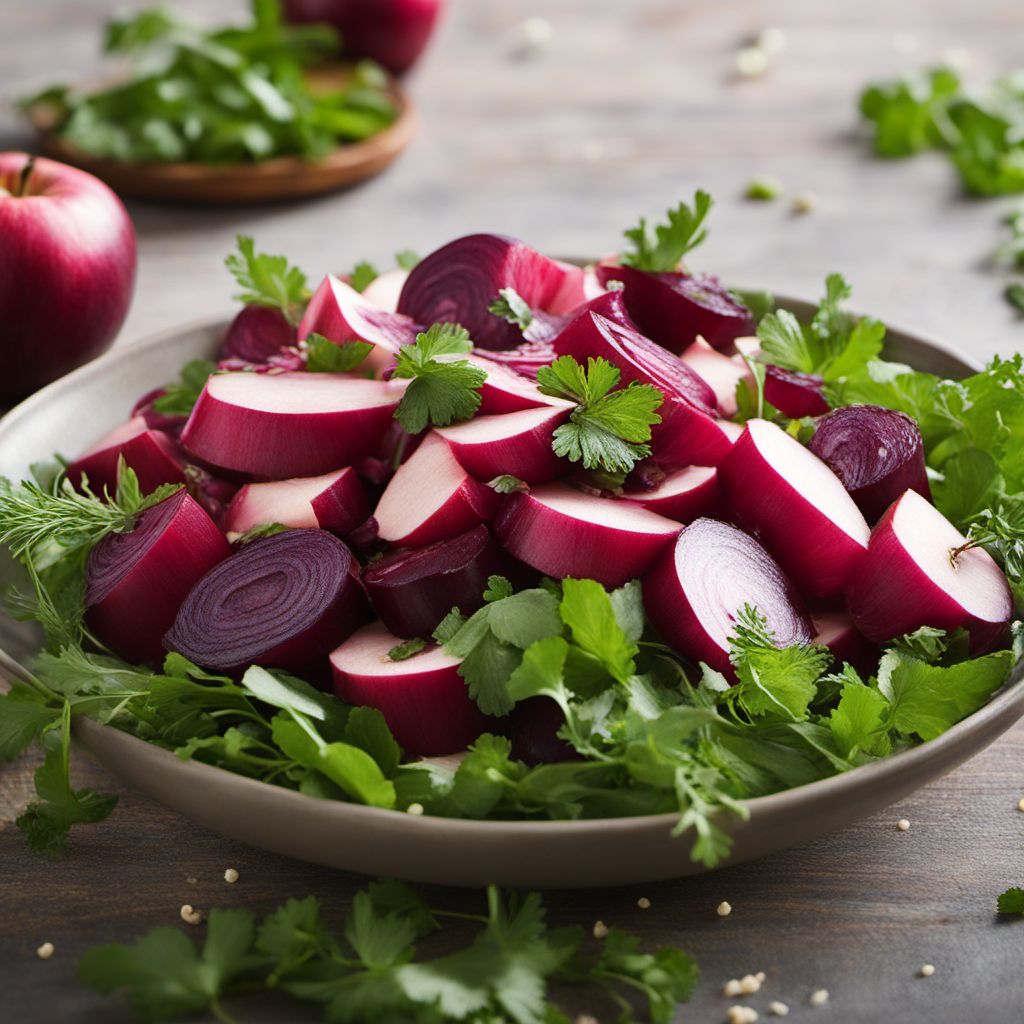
26 173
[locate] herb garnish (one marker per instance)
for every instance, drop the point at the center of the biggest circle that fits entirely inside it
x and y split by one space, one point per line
268 280
663 246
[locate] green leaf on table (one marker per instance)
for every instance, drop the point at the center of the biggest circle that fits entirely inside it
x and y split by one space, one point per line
1011 901
907 115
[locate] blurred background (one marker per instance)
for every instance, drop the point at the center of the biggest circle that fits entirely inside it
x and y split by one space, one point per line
561 122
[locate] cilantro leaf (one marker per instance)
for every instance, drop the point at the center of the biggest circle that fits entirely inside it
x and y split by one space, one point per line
588 612
180 398
907 115
441 392
325 356
662 247
268 280
363 275
24 714
1011 901
406 649
512 308
860 721
292 934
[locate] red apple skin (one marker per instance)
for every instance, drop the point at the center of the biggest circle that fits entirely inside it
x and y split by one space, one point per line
392 32
67 271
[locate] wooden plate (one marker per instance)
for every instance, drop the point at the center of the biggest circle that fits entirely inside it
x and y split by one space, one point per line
285 177
537 854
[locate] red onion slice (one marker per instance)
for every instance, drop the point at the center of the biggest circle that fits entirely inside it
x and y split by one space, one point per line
151 453
283 602
795 394
256 334
136 581
877 453
684 495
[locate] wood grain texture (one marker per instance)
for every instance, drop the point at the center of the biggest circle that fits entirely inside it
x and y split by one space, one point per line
633 105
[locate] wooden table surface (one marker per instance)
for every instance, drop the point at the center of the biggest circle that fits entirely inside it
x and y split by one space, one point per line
631 106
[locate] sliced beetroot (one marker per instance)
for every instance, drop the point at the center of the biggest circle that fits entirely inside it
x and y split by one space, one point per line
795 394
697 588
721 372
256 334
341 314
282 602
916 573
412 591
423 699
506 391
684 495
674 309
213 493
797 506
458 282
279 426
383 290
689 433
836 631
877 453
525 359
518 443
432 498
563 532
136 581
151 453
333 501
533 729
146 408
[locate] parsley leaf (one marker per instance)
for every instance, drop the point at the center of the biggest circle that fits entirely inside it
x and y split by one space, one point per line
325 356
363 275
512 308
407 259
268 280
441 392
406 649
508 484
608 430
908 114
664 249
180 398
1011 901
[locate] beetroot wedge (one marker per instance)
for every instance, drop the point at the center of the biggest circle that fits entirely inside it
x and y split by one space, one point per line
684 495
795 394
917 573
518 443
836 631
459 281
282 602
432 498
675 308
423 698
136 581
506 390
563 532
333 501
877 453
720 371
797 506
525 359
256 334
689 434
279 426
152 455
340 314
412 591
697 588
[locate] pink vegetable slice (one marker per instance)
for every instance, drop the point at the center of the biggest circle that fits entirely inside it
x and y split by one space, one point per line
383 290
506 391
458 282
795 394
518 443
525 359
836 631
423 699
697 588
432 498
136 581
333 501
675 308
282 602
152 455
684 495
563 532
412 591
256 334
797 506
279 426
689 433
877 453
916 575
721 372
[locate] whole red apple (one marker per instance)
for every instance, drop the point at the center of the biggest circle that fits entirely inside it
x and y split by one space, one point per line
67 270
391 32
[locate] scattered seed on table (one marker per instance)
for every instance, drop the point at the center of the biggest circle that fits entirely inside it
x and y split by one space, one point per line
903 825
749 984
1020 804
778 1009
414 809
805 202
741 1015
231 876
771 40
45 951
732 988
724 909
751 62
819 998
927 970
190 915
644 903
600 930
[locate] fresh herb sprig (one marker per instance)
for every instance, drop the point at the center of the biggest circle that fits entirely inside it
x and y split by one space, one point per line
661 247
325 356
610 426
179 398
268 280
512 308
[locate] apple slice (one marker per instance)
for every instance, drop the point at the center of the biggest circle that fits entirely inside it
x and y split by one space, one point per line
136 581
689 434
698 586
412 591
797 506
333 501
721 372
432 498
280 426
340 314
836 631
384 289
563 532
150 453
518 443
795 394
684 495
918 573
423 698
